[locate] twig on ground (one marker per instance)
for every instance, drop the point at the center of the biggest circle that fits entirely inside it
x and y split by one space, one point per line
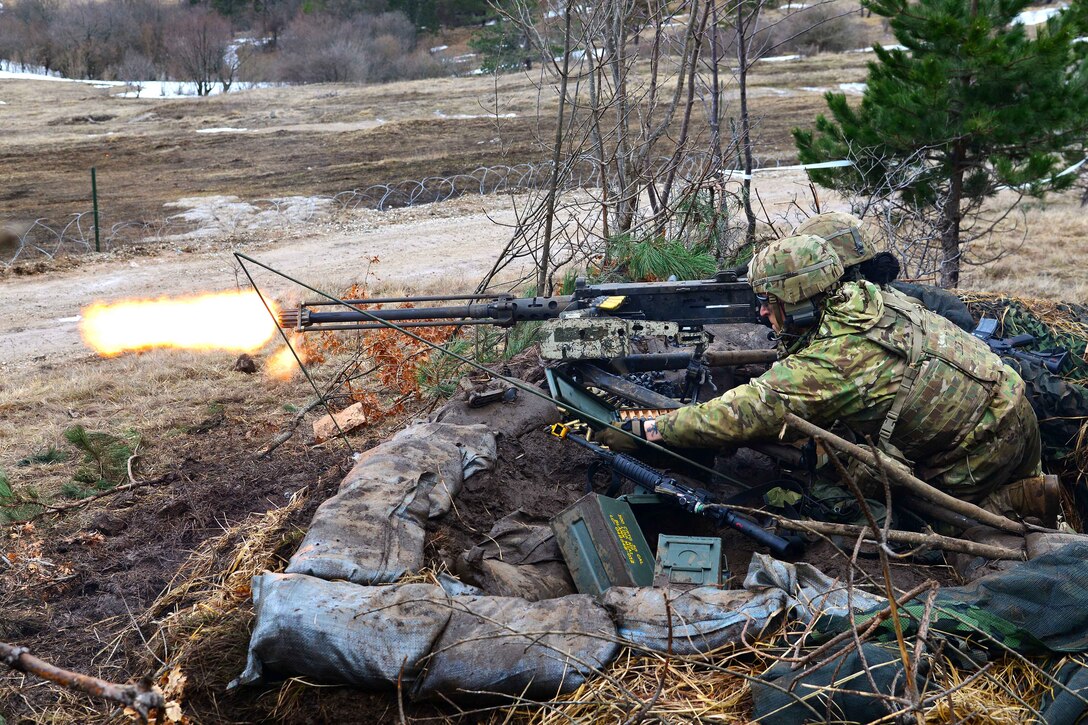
84 501
936 541
285 435
140 696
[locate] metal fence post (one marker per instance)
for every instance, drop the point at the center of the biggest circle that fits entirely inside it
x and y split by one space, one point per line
94 199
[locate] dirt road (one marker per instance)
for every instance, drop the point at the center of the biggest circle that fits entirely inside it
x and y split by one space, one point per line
450 244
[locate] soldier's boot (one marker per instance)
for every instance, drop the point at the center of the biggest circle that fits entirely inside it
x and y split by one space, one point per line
1037 497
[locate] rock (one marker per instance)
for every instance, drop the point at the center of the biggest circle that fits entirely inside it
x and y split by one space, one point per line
245 364
108 523
347 419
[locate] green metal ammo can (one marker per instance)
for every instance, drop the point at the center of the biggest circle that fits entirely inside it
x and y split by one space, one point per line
603 545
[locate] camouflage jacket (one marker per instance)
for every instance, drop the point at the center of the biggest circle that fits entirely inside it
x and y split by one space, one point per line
964 422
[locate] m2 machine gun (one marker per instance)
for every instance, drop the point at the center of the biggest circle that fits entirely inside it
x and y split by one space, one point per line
589 337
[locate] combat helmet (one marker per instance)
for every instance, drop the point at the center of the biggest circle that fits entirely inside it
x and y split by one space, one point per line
846 234
795 269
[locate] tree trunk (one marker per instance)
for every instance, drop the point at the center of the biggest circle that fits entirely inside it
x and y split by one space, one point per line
543 280
950 221
745 123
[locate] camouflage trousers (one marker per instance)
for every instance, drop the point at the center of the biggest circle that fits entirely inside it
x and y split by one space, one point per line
1037 497
1014 452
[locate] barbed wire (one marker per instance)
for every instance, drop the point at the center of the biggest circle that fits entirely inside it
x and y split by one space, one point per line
45 238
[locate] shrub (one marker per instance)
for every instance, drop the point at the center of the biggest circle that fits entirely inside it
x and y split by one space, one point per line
14 507
648 260
369 48
105 458
829 27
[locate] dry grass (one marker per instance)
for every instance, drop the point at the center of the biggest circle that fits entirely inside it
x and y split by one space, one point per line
713 688
159 395
1009 693
1041 258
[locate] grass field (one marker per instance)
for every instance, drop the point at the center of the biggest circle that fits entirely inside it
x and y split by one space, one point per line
85 583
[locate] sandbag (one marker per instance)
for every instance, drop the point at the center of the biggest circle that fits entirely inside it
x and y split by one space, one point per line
705 618
341 632
520 558
507 646
697 620
848 687
372 531
808 592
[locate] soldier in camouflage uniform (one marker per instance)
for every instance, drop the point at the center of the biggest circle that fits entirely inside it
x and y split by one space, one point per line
1058 404
881 365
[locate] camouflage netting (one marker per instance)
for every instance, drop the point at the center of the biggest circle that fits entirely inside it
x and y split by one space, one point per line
1061 400
1060 325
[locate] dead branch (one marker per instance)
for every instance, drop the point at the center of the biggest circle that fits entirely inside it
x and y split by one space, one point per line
47 510
142 696
863 629
286 434
935 541
906 480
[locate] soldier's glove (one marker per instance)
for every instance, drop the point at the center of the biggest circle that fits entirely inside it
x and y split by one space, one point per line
617 441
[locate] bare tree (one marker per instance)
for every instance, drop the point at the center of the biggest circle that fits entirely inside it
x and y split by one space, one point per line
640 89
198 48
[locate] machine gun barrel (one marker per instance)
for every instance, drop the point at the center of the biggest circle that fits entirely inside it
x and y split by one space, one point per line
690 305
501 311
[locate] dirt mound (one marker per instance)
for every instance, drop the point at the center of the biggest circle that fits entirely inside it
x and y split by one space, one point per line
156 579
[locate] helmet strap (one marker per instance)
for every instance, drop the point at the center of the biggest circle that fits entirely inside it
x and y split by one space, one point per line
802 314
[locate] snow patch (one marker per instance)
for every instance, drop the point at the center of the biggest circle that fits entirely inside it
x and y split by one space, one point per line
224 129
852 88
1036 17
780 58
217 215
439 48
133 89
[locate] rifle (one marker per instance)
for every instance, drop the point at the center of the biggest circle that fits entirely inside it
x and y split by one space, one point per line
648 480
588 335
986 330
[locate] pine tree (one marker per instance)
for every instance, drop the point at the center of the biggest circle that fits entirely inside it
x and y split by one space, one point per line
970 104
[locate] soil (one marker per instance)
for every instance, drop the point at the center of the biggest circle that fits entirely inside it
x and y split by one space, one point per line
79 588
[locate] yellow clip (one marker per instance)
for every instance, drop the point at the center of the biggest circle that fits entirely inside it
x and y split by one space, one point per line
612 303
560 430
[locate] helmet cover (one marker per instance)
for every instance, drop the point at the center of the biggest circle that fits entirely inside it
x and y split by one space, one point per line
847 234
795 268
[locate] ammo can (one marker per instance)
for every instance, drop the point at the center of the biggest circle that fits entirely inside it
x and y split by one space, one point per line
686 562
603 545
